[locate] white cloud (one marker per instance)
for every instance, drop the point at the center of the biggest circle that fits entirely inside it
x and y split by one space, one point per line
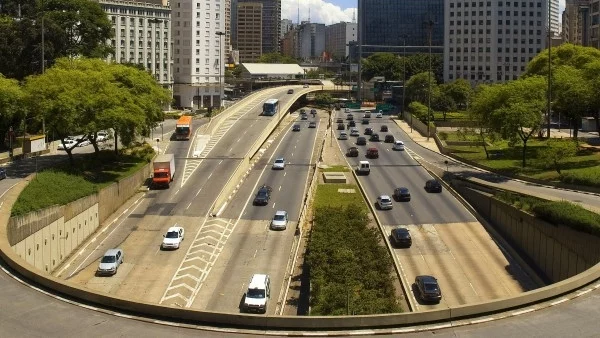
320 11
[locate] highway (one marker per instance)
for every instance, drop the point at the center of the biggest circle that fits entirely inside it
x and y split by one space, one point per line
448 242
253 247
149 274
35 314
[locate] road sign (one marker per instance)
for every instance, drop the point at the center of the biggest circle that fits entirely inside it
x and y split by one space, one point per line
353 105
385 107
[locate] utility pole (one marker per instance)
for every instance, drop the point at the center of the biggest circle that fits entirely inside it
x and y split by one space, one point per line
549 103
221 55
430 28
404 36
359 33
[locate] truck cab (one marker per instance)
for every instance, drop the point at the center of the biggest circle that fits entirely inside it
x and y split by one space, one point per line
258 294
163 170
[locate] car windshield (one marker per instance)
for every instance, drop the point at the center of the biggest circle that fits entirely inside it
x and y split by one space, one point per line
262 194
385 200
161 175
279 161
430 287
108 259
256 293
279 218
172 234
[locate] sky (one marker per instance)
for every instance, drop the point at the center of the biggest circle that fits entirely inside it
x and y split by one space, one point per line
329 11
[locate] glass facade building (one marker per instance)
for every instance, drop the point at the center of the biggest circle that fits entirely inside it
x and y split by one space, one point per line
386 25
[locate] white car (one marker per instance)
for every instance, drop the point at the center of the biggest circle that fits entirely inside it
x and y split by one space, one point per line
84 142
398 145
279 164
173 238
354 132
101 136
379 115
343 136
280 220
384 202
68 143
110 262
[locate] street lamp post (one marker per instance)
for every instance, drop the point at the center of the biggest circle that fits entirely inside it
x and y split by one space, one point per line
220 34
430 27
549 70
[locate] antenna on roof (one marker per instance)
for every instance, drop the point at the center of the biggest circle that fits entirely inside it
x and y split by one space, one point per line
354 16
309 13
298 11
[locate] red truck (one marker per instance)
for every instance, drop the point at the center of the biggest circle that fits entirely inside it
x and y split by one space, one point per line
164 170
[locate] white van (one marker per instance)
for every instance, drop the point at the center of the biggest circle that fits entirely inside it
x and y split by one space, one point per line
363 168
258 294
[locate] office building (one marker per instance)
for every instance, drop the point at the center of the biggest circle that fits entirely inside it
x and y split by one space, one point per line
198 52
249 34
142 35
388 25
311 41
286 26
289 43
576 22
337 37
594 24
492 41
271 24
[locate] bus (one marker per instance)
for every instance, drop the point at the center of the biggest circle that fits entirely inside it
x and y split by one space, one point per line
183 129
271 107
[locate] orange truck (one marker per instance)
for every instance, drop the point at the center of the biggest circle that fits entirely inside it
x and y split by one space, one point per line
163 170
183 129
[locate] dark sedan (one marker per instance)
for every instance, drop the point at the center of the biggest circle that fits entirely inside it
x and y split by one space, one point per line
361 141
368 131
263 195
2 173
428 288
400 237
433 186
352 152
374 138
401 194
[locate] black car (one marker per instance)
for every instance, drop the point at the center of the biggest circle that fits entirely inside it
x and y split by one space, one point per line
263 195
352 152
302 111
361 141
352 124
304 116
339 120
389 138
349 117
313 111
400 237
384 128
368 131
401 194
433 186
296 127
428 288
374 138
312 124
365 121
2 173
341 126
290 91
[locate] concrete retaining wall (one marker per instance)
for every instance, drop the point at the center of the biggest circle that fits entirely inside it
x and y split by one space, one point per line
418 125
556 251
45 238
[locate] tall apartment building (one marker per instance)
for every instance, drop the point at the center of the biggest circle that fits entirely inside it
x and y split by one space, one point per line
198 52
249 34
492 41
311 41
576 22
233 23
388 25
286 26
142 35
289 43
594 24
271 24
337 38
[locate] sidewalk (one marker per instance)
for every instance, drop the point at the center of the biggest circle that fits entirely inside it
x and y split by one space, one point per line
417 137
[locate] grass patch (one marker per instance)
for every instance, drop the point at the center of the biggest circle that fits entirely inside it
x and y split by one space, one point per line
334 168
64 184
582 169
555 212
457 115
350 271
328 195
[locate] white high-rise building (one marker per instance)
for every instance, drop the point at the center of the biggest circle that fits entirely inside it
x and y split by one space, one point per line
492 41
337 38
199 35
142 35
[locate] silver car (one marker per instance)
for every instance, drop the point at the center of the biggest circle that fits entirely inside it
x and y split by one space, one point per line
280 220
110 262
343 136
384 202
279 164
354 132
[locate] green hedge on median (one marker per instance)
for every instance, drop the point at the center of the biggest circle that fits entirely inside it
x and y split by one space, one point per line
350 271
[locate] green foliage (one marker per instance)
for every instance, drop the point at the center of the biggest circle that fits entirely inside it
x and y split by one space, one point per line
316 73
349 270
11 98
417 88
65 184
556 152
329 195
589 176
276 58
570 215
418 111
419 63
324 99
443 135
335 168
71 28
459 90
387 65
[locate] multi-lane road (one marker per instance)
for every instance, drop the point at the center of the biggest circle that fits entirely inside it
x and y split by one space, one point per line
448 242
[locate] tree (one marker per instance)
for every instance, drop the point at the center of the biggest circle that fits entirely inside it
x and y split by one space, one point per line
592 74
459 90
71 28
573 95
276 58
11 98
419 63
556 152
486 99
521 113
417 88
324 99
440 101
382 64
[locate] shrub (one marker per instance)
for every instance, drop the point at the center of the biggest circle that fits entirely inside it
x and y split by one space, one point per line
443 135
569 214
587 177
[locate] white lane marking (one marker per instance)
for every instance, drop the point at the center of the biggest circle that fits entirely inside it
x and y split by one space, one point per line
210 175
522 312
559 301
273 205
581 293
188 206
221 161
176 192
199 191
279 188
284 174
482 320
100 244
